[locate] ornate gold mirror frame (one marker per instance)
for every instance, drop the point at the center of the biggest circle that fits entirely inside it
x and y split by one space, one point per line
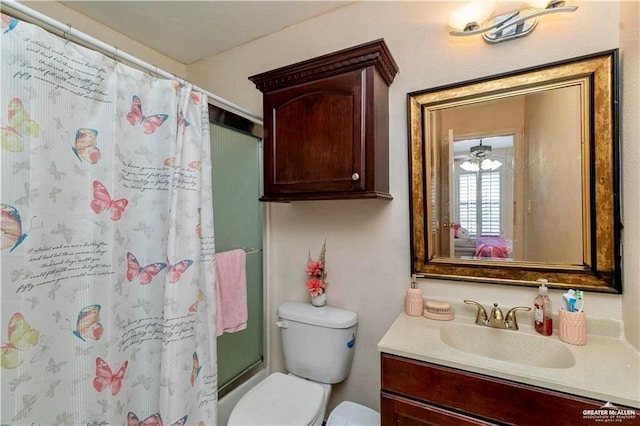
597 78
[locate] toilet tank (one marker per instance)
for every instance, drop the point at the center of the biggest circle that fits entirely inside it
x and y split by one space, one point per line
318 343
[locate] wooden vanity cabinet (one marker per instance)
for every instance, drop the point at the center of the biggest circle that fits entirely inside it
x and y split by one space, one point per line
326 126
419 393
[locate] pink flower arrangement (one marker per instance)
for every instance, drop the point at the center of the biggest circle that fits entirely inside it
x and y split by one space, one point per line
316 274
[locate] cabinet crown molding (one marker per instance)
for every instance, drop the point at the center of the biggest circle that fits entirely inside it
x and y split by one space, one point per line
373 53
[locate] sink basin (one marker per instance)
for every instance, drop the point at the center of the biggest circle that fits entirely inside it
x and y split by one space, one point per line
508 345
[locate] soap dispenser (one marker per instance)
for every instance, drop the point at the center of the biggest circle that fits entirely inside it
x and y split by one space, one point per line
543 310
414 299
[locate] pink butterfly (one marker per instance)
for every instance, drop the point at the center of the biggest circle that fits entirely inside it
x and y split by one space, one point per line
175 271
102 201
145 273
149 122
106 378
152 420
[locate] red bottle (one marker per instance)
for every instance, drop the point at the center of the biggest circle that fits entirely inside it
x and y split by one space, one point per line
543 310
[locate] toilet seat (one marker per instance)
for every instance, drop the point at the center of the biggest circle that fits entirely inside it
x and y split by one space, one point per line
279 399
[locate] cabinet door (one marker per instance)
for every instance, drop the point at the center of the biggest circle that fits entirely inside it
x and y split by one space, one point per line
315 140
405 412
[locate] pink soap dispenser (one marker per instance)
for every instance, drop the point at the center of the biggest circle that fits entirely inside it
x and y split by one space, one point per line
414 300
543 310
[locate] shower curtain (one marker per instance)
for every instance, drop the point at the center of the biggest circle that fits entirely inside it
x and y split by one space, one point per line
107 251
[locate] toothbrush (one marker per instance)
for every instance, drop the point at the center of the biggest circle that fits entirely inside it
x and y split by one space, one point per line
580 297
570 300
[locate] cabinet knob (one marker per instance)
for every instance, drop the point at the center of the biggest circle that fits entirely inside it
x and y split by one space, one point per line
355 176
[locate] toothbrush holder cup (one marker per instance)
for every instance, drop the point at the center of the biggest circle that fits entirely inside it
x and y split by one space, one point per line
573 327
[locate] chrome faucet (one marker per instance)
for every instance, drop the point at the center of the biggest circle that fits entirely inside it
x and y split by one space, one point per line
497 319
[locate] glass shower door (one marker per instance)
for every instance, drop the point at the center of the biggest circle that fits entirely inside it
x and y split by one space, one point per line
237 183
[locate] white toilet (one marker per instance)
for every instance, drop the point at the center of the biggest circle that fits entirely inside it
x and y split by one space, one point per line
318 346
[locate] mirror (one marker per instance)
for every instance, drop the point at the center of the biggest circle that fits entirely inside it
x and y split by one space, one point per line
516 177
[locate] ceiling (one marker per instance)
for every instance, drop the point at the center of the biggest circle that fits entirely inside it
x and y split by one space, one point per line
188 31
496 142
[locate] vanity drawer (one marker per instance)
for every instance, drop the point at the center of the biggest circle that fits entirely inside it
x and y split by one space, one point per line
490 399
401 411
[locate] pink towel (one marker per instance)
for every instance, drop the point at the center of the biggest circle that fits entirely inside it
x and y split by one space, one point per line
231 291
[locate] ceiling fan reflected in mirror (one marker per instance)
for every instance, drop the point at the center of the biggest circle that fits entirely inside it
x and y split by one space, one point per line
479 159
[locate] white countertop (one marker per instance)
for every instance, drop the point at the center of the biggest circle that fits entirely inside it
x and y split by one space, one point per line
607 368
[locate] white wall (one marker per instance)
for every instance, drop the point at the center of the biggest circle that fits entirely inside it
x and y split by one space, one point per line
368 257
630 135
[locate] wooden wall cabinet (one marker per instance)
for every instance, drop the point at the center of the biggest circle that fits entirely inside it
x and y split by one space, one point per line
419 393
326 126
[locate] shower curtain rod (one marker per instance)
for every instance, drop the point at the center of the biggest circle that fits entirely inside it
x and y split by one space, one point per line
69 31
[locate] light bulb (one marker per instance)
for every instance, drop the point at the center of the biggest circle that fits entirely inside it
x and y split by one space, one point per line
477 11
538 4
469 166
490 164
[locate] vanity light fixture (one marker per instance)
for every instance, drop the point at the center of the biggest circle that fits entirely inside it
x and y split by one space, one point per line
478 159
473 18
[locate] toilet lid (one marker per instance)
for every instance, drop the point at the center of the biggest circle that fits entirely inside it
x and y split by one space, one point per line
279 399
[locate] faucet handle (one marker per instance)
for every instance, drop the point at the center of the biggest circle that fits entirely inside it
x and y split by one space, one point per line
496 313
510 319
481 315
496 319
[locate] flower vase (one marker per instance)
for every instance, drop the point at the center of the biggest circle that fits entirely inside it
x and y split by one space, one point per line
319 300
